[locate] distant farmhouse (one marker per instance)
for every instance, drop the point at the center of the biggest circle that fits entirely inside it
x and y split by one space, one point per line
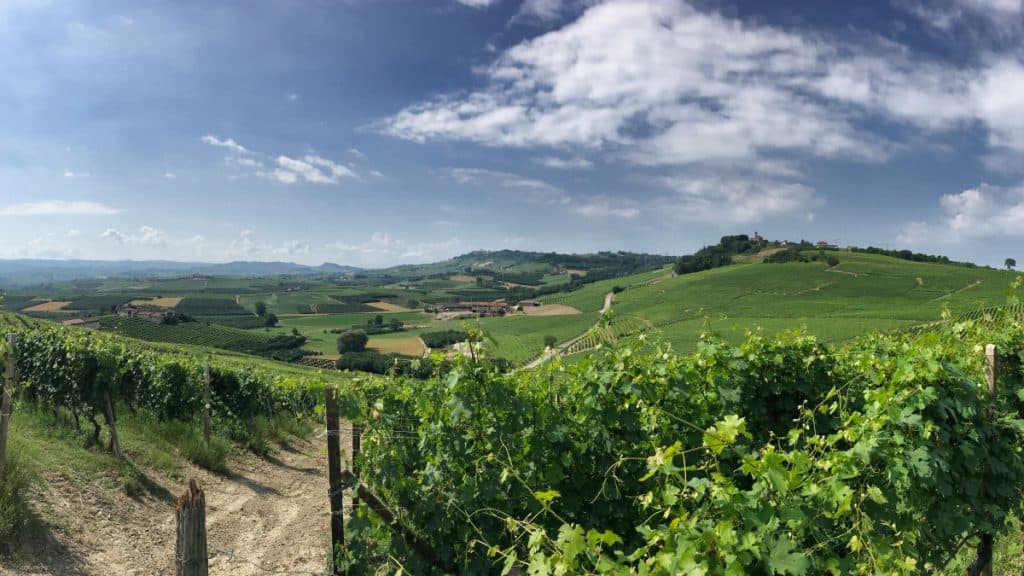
825 245
149 313
493 308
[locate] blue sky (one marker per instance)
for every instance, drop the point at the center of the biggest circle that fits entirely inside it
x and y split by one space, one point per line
378 132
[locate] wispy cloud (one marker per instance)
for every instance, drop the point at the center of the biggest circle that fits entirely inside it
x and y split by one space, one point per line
478 3
559 163
228 143
58 208
309 168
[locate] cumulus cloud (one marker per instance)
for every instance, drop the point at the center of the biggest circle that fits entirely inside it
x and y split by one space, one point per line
984 211
668 84
58 208
228 143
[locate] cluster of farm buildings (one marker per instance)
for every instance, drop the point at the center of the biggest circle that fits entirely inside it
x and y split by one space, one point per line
498 307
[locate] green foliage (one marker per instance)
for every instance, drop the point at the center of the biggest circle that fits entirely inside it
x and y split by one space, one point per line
278 346
209 306
443 338
352 341
14 510
779 456
785 256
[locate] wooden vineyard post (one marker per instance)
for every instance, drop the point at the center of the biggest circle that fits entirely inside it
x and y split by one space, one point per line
982 565
190 558
5 399
357 439
335 484
206 405
108 408
987 546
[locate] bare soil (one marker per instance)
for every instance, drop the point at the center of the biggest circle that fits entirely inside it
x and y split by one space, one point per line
51 306
550 310
268 515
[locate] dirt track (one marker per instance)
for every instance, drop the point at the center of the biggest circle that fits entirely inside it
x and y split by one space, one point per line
269 513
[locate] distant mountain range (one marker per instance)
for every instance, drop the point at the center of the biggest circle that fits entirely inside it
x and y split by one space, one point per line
35 272
20 273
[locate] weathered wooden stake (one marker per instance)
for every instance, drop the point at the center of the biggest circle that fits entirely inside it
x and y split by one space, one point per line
190 558
115 444
982 565
206 405
5 399
357 439
335 484
987 545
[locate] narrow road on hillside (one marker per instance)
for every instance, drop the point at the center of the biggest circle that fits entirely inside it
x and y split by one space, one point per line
561 348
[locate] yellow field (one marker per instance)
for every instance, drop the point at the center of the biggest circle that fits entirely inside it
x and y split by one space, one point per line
166 302
550 310
51 306
462 278
406 346
388 307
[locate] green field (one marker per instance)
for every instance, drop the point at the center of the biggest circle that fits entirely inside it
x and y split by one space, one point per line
257 343
864 293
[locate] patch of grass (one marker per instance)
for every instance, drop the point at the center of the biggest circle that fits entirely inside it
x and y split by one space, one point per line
14 511
158 441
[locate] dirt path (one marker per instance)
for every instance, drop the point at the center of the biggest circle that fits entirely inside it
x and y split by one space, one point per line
561 348
268 515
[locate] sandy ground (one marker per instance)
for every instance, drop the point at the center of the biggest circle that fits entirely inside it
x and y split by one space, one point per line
550 310
388 307
407 346
268 515
51 306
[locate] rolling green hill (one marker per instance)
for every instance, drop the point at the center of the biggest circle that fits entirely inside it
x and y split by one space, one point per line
864 293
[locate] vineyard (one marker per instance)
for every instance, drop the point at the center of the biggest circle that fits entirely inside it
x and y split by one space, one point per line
278 346
778 456
209 306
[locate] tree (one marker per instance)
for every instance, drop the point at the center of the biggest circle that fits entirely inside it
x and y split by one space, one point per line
270 320
1011 263
261 308
832 261
550 341
395 325
352 341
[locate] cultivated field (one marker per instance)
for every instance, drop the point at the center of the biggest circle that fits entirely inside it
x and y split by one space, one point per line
51 306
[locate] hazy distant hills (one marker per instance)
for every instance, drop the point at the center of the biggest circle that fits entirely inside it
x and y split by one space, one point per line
34 272
15 273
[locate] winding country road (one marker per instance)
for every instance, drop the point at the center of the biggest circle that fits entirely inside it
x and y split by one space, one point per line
561 348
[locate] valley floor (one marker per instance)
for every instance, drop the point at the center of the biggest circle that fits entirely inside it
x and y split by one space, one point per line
270 514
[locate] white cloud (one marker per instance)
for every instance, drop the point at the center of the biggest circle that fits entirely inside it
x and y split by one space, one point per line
478 3
376 174
946 14
145 236
556 162
292 96
381 247
528 189
733 199
664 83
72 233
605 207
58 208
357 153
228 143
981 212
310 168
292 247
170 175
72 175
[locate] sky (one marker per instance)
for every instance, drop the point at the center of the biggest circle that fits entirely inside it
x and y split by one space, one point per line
382 132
